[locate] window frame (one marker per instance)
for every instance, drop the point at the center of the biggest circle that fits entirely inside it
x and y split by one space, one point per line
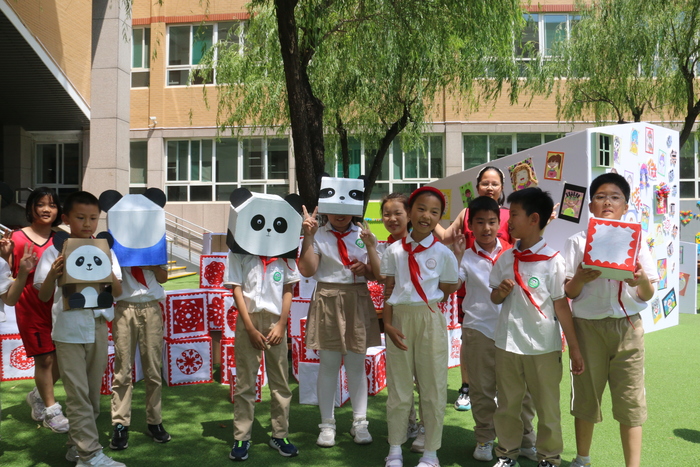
145 58
545 137
59 141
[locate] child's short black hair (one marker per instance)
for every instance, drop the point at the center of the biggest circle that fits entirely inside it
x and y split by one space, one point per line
80 197
534 200
36 196
615 179
483 203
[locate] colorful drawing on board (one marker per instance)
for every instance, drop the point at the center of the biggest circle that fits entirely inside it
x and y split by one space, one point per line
674 190
631 216
667 224
651 242
672 209
636 198
649 140
674 157
683 280
522 174
467 192
669 249
671 176
697 238
669 141
661 166
663 276
686 217
669 302
629 176
634 142
571 204
448 202
651 168
643 176
617 144
646 214
656 309
554 165
674 232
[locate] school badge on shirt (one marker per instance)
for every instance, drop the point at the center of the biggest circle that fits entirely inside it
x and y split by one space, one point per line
533 282
277 276
360 243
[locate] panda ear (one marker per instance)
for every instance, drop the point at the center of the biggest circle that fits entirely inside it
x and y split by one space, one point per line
239 196
7 194
108 199
58 239
295 201
321 177
156 195
107 236
364 181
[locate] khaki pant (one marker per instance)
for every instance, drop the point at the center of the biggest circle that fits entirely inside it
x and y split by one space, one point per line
142 324
247 364
426 359
82 367
480 357
541 375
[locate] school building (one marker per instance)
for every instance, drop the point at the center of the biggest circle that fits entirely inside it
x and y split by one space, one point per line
94 97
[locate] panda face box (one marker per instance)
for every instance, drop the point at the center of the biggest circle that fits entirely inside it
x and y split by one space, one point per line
88 262
264 225
341 196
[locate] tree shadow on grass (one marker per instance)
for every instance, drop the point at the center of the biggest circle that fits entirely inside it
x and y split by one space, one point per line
687 434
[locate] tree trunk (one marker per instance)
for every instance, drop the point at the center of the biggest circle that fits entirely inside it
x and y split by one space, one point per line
344 145
305 110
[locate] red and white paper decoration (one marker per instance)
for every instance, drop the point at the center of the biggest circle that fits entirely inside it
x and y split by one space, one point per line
212 271
612 247
15 363
187 361
185 314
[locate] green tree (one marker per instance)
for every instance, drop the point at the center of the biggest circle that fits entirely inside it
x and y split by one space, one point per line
627 58
371 69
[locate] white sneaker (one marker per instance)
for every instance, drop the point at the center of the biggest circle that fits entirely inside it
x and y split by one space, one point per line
326 438
463 401
578 463
37 404
360 432
100 460
54 419
484 451
413 429
393 461
423 462
419 443
72 454
530 453
506 462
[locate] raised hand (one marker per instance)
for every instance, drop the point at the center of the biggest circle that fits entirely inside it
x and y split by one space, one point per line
29 259
310 223
366 235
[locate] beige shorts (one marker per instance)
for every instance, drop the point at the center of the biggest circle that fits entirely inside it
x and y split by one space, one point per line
613 353
342 318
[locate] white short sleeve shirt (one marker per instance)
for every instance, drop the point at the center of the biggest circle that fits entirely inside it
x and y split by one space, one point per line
5 283
330 267
134 291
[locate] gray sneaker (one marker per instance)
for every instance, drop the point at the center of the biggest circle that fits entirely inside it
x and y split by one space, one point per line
72 454
37 404
578 463
100 460
530 453
55 420
418 444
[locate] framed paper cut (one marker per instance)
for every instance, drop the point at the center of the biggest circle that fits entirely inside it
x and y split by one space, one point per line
649 140
669 302
683 282
656 310
554 165
468 193
571 204
522 174
663 273
612 247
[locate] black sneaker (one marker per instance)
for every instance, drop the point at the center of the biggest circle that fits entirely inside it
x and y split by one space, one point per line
158 433
120 438
544 463
284 447
239 452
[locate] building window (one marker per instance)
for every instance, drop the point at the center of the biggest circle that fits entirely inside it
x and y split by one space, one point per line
58 166
479 149
541 34
689 171
188 44
208 170
402 171
138 164
140 57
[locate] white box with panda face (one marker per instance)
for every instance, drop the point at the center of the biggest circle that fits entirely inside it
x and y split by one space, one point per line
341 196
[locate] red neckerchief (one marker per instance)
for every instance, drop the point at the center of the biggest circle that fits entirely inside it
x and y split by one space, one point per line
137 272
266 261
415 269
504 246
619 300
390 239
342 249
528 256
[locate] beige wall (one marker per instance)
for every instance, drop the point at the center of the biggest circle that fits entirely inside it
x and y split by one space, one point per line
65 31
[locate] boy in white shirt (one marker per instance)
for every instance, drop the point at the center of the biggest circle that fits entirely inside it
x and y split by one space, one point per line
610 331
80 336
529 281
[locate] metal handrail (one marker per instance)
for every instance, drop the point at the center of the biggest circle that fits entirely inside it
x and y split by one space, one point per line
183 236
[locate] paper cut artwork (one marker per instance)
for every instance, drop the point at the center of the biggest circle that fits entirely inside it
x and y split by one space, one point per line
634 142
341 196
522 174
612 247
651 169
649 140
662 269
669 302
468 193
87 270
656 310
264 224
646 213
137 224
683 283
571 203
554 165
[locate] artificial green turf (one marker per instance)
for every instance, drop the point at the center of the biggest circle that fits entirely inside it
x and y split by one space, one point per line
199 419
188 282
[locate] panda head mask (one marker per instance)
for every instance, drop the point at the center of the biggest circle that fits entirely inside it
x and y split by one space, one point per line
263 224
341 196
